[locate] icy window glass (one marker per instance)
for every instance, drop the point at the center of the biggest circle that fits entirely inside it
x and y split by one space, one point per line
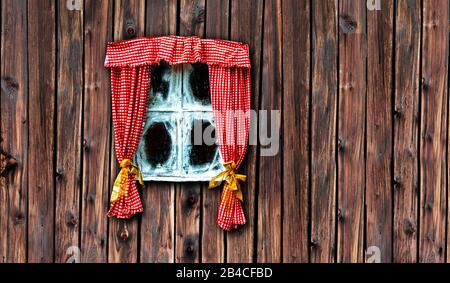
179 106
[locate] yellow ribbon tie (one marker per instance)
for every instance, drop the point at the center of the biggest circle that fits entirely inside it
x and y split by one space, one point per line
231 177
120 188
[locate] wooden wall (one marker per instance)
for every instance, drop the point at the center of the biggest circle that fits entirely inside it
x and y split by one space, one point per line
364 133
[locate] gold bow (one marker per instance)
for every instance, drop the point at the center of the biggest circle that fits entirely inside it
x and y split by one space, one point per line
120 188
231 177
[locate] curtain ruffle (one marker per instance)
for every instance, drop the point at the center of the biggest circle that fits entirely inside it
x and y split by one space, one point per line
176 50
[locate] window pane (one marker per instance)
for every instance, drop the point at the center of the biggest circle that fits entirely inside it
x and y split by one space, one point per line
158 150
196 87
165 91
201 156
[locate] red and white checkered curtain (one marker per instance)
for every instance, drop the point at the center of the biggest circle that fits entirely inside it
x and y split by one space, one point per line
230 98
229 73
129 89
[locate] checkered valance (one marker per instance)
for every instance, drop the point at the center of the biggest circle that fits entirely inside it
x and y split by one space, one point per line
229 77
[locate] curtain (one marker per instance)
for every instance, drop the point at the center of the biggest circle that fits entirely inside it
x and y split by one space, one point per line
229 73
129 89
230 98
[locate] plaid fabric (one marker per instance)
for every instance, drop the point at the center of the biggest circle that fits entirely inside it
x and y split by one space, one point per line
230 98
229 74
129 89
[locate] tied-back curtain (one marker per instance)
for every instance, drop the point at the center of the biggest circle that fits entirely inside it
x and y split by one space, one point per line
129 88
229 73
230 98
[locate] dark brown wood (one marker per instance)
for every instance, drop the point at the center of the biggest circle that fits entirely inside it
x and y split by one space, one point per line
433 131
96 135
246 26
158 226
188 204
129 22
351 129
213 239
269 192
379 131
161 17
68 129
41 79
296 76
406 126
57 163
192 17
323 130
14 130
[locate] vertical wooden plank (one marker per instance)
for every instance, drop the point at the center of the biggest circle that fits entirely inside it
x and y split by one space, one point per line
246 26
351 129
68 129
406 125
270 196
433 194
192 17
161 17
41 63
14 130
96 126
379 130
157 225
323 130
188 204
296 75
217 13
129 22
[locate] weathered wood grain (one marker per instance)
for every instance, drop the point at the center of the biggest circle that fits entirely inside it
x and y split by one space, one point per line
14 130
41 98
295 97
213 239
187 202
351 129
323 130
379 130
161 17
157 225
192 17
269 239
246 26
68 129
406 129
96 131
433 131
129 22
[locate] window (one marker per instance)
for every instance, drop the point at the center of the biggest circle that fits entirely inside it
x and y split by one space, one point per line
179 106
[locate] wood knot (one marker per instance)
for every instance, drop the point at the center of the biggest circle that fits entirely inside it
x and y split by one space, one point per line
189 249
19 218
409 227
314 242
347 24
124 234
398 112
429 136
341 144
398 182
58 173
6 162
9 86
340 215
71 220
199 14
425 85
85 145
